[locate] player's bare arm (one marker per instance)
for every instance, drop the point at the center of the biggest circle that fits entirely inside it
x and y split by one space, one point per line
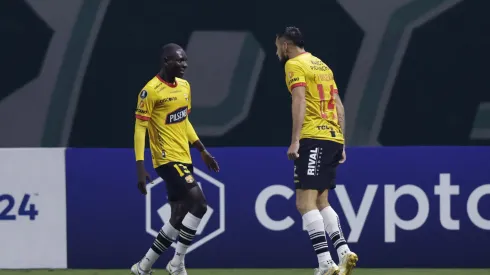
341 119
340 112
139 148
298 110
208 159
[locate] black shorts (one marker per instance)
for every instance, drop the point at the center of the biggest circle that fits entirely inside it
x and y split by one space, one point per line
315 169
178 179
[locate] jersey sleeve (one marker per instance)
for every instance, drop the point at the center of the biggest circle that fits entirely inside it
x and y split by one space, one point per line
335 89
146 102
189 107
295 75
191 133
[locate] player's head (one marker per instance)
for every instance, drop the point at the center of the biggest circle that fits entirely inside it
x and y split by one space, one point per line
173 60
288 41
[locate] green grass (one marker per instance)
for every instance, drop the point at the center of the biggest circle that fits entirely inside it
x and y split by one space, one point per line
257 272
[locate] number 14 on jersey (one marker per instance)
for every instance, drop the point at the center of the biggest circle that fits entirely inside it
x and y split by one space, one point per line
326 105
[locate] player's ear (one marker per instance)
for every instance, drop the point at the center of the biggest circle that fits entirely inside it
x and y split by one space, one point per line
285 47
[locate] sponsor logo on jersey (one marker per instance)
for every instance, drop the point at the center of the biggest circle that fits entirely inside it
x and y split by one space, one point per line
291 74
143 94
176 116
168 99
319 68
140 111
324 127
293 80
324 77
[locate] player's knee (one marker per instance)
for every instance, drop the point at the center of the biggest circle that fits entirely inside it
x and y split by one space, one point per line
199 209
176 221
322 203
305 206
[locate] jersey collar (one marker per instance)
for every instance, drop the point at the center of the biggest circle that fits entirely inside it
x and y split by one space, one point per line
173 85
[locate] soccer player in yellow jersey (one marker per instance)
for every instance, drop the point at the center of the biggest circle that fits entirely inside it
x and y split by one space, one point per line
317 147
162 109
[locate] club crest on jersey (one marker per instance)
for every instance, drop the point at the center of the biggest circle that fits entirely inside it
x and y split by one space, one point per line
143 94
176 116
189 179
291 74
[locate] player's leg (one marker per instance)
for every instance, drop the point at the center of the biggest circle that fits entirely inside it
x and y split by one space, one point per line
197 205
332 153
170 231
313 221
347 258
167 235
306 184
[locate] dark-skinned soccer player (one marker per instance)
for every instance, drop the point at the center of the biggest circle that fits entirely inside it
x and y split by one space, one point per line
163 107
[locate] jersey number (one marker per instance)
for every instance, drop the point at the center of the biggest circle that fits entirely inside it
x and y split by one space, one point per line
181 169
329 106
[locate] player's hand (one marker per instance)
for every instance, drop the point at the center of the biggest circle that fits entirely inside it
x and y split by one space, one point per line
210 161
344 157
293 151
143 178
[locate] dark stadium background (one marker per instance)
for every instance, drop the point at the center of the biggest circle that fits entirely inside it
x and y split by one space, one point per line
441 81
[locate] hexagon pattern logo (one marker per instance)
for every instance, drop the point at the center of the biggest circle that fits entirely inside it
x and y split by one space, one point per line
212 224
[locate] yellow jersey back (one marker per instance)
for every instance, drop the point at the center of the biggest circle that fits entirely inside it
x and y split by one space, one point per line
320 120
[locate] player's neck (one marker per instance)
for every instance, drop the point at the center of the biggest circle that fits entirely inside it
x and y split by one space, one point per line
295 52
166 77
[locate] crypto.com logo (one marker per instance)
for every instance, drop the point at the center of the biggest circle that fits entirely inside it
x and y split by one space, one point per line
164 210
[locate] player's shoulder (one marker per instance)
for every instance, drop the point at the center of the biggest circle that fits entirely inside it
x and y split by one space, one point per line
294 64
152 84
315 60
182 82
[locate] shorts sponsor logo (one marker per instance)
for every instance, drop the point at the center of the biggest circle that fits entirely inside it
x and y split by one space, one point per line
313 162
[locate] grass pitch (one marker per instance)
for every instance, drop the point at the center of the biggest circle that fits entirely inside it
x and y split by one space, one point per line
360 271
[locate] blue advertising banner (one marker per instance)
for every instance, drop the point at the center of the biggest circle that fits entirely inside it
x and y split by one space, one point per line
399 207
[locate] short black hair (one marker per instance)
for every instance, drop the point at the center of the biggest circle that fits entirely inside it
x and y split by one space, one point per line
168 50
294 35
